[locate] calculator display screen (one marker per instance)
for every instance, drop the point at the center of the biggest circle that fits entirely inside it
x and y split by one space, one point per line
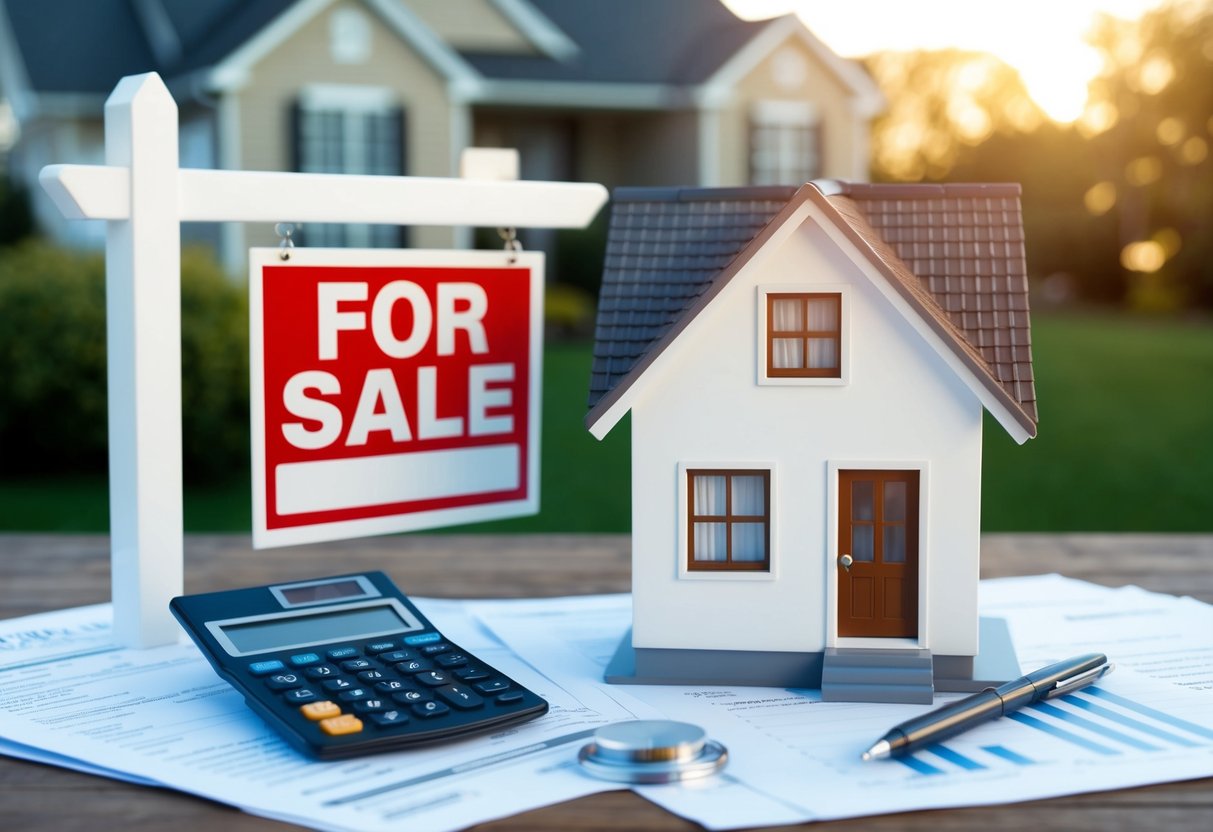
315 628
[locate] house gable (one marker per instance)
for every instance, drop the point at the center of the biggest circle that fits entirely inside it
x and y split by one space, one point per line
1011 400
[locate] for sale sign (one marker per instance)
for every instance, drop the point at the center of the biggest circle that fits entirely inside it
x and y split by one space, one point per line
392 390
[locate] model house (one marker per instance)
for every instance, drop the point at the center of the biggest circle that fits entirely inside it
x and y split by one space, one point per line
403 86
806 372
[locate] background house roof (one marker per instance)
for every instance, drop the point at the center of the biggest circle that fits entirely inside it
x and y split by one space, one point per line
630 41
674 42
954 252
69 46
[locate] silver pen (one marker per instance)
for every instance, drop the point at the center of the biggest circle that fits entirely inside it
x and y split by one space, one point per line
1047 683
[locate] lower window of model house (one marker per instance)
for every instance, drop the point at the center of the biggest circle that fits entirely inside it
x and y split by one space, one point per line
728 520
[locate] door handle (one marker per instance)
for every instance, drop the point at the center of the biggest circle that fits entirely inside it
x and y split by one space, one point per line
845 561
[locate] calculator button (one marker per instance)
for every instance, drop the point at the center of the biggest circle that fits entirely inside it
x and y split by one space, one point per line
409 697
435 649
371 676
335 726
423 638
354 665
452 660
433 678
320 671
430 709
472 674
492 686
304 659
301 696
414 666
342 653
317 711
385 719
265 668
338 684
377 647
353 694
398 656
389 686
284 681
509 697
459 696
367 706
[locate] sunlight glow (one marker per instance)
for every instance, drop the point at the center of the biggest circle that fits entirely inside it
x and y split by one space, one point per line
1042 39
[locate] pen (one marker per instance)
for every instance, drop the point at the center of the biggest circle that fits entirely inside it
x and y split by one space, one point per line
1047 683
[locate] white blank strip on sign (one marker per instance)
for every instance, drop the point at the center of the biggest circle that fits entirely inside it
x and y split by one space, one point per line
333 484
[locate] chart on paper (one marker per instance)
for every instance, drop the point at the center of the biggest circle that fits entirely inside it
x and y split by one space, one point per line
793 748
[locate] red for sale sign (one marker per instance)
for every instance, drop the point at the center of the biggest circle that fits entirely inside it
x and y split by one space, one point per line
392 390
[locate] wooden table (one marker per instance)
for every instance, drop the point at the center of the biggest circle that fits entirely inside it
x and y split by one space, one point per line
40 572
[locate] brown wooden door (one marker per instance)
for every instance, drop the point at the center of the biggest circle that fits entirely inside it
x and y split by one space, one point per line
878 530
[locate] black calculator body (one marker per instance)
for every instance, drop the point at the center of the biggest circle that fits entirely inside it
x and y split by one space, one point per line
345 666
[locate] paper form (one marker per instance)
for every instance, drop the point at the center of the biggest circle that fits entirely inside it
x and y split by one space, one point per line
1161 636
163 716
803 754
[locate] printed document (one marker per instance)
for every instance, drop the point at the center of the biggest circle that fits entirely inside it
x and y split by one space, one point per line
802 754
69 697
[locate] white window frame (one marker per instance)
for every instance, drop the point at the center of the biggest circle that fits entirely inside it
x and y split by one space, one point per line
684 503
844 341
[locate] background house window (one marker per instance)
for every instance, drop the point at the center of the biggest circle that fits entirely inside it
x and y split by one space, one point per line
785 143
804 335
729 520
349 130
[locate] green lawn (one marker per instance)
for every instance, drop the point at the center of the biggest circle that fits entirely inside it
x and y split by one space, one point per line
1126 443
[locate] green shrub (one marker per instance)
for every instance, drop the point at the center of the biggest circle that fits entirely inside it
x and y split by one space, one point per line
52 361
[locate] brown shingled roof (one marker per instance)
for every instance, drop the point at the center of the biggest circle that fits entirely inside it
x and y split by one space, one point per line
954 253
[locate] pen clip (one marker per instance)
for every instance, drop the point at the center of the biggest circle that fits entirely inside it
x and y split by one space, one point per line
1082 680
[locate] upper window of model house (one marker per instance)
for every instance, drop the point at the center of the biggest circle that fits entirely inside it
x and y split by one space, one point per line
804 335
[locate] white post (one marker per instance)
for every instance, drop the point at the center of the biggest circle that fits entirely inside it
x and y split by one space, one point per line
145 197
143 337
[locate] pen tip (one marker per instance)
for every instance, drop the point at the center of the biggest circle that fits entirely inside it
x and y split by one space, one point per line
879 751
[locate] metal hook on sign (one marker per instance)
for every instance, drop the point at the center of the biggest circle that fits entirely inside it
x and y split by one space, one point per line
285 230
512 244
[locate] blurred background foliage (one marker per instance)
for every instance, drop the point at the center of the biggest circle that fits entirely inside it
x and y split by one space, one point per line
1118 205
52 344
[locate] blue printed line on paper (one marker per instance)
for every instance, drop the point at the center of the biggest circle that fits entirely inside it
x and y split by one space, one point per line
1007 754
920 766
1153 713
1128 721
954 757
1090 725
1061 733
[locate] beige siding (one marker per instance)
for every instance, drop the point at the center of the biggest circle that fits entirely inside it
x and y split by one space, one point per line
263 106
842 133
471 24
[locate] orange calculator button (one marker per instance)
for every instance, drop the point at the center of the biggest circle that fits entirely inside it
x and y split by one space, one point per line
320 710
335 726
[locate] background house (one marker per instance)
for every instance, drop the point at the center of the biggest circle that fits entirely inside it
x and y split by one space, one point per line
622 92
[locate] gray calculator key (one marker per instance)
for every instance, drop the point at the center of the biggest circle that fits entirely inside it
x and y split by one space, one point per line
411 697
459 696
386 719
433 678
301 696
492 686
430 709
284 681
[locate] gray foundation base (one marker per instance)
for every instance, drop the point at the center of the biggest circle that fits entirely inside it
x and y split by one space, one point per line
994 664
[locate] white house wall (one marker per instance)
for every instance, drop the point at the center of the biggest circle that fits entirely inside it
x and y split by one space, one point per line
700 404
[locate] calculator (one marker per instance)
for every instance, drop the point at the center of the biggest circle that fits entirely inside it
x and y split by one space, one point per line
347 665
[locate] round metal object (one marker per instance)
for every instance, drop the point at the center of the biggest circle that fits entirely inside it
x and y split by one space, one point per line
652 751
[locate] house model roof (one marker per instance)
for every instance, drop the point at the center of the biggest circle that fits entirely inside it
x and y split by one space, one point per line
953 253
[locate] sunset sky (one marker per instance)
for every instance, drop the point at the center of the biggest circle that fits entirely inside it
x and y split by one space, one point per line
1042 39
